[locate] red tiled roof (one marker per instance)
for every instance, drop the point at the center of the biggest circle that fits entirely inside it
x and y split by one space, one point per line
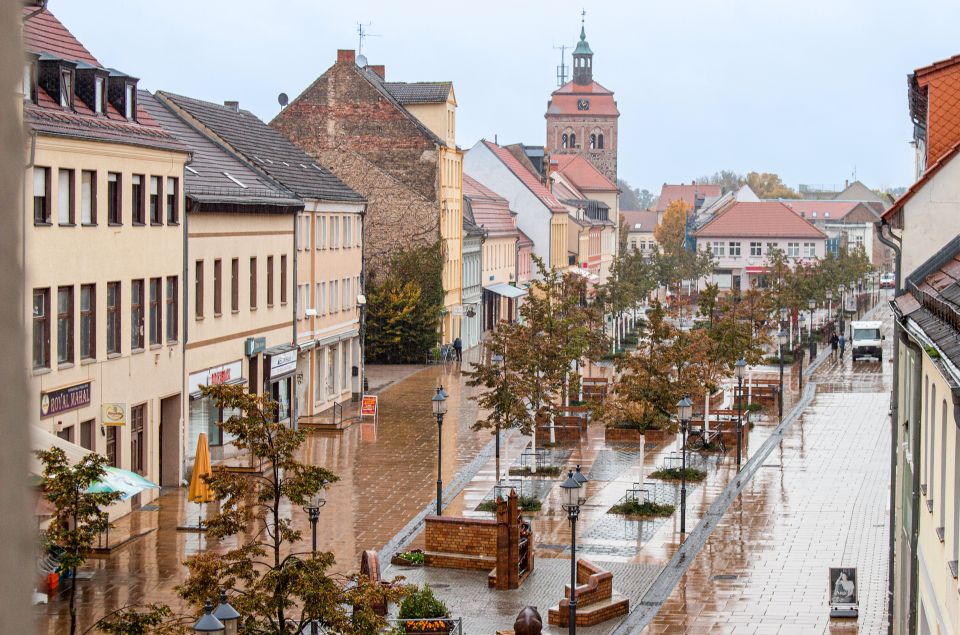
562 192
490 210
582 173
767 219
563 101
45 33
820 210
670 193
526 177
646 219
927 175
937 66
525 241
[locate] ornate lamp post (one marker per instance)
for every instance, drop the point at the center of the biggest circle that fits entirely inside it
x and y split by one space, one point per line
782 340
313 514
812 305
739 367
853 294
227 615
207 622
784 316
684 414
571 501
501 373
799 350
829 304
439 401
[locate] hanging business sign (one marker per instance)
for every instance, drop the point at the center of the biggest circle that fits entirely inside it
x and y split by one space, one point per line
113 414
63 399
225 374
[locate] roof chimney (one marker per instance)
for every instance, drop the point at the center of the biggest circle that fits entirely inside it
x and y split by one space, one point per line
232 105
380 71
346 56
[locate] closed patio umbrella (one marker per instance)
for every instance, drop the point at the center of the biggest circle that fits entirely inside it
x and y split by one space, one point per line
199 491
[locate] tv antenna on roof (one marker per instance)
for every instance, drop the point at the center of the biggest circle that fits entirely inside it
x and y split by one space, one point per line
362 33
562 68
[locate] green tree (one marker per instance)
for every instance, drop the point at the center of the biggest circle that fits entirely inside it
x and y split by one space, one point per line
79 515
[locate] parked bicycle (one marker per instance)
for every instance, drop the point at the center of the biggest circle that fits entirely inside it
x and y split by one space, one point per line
698 439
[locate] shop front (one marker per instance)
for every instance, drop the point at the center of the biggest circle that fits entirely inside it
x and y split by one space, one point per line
205 416
280 369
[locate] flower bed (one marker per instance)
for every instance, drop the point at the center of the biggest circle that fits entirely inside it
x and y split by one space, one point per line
413 558
676 474
525 503
545 470
427 626
646 509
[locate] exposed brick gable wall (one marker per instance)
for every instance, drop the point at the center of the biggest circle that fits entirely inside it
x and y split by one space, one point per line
343 110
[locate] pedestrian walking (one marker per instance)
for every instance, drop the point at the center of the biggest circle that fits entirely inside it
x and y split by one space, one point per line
458 349
834 344
842 342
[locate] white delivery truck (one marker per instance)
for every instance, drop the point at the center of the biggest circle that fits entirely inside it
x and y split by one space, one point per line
866 340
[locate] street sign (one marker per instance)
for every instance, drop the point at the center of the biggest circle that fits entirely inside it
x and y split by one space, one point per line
369 406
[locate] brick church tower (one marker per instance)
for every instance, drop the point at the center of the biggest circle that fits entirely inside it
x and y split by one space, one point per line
582 115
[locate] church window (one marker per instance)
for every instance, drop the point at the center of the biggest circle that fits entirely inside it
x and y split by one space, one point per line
600 141
573 140
563 140
593 142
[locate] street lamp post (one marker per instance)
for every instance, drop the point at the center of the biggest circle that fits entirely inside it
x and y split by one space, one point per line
853 294
439 401
782 340
799 353
684 414
498 359
739 368
207 622
812 305
313 515
227 615
829 304
784 315
572 500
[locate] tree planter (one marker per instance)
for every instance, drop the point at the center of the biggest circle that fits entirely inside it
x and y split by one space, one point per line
403 562
428 626
623 435
658 436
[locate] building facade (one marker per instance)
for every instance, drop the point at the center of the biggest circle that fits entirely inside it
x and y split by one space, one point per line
239 253
639 227
322 364
471 322
582 116
104 190
394 142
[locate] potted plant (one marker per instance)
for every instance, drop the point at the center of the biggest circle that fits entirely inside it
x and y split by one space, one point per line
413 558
423 612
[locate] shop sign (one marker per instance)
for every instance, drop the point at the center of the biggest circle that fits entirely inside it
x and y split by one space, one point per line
63 399
254 345
458 310
215 376
368 406
283 363
113 414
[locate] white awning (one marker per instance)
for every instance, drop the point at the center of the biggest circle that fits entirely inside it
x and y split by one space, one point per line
506 290
40 439
583 273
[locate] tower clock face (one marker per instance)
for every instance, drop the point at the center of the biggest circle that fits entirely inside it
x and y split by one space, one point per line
583 104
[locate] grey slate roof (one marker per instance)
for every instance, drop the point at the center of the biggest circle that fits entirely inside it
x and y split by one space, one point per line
206 181
419 92
266 148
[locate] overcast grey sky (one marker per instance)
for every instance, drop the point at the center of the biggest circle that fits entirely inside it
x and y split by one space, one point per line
811 89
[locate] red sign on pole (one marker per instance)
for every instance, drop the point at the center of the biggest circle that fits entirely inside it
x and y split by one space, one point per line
368 406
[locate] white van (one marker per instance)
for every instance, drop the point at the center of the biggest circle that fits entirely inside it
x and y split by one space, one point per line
866 340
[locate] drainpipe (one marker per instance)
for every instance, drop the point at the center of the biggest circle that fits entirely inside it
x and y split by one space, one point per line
185 311
893 243
363 308
297 300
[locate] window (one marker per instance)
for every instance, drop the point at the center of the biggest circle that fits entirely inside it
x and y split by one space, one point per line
65 199
217 287
348 231
136 199
113 199
563 140
235 285
600 141
793 250
943 465
334 231
98 95
323 232
809 250
137 415
283 279
113 457
253 283
755 249
41 328
734 249
771 247
41 196
88 197
198 289
172 322
269 280
136 314
346 294
66 88
65 325
113 318
173 200
66 433
155 217
320 299
593 142
88 321
308 231
129 105
573 140
717 248
86 434
156 323
858 240
299 230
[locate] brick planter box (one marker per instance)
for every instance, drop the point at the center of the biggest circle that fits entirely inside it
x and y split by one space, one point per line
623 435
659 437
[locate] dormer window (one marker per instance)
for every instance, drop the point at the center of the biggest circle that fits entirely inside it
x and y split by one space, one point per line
66 88
128 101
98 95
826 214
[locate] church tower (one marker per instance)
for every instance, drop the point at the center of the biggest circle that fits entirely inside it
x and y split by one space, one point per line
582 115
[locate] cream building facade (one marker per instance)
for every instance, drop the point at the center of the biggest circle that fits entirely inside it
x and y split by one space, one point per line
103 260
